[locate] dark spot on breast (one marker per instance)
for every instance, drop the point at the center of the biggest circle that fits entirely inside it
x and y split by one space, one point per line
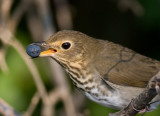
89 88
81 89
95 94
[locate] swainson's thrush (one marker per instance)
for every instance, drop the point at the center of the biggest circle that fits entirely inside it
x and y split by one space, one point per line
105 72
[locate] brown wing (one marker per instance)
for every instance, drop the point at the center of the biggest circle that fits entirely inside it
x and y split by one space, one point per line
123 66
136 72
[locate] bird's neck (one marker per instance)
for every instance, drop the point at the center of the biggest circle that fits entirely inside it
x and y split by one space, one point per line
80 73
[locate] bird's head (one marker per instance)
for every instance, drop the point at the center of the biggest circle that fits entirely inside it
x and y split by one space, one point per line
70 46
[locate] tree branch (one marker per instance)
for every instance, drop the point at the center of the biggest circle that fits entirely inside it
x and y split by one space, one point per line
142 100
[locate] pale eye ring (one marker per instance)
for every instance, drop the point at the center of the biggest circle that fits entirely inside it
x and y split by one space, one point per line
66 45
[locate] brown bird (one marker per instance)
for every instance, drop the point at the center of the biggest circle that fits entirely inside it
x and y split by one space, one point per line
105 72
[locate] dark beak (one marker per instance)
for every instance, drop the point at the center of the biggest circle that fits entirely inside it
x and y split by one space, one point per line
48 52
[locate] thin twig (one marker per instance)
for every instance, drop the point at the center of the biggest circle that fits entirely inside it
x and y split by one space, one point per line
5 6
33 19
7 110
33 104
17 15
132 5
3 64
63 11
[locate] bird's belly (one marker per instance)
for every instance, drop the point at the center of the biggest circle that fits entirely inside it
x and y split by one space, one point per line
112 100
119 99
116 100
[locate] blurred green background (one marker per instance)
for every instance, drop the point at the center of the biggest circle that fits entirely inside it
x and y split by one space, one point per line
134 24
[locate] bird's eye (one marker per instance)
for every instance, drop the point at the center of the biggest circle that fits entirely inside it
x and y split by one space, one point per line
66 45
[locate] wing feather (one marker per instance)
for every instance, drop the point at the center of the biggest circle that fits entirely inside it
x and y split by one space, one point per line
123 66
